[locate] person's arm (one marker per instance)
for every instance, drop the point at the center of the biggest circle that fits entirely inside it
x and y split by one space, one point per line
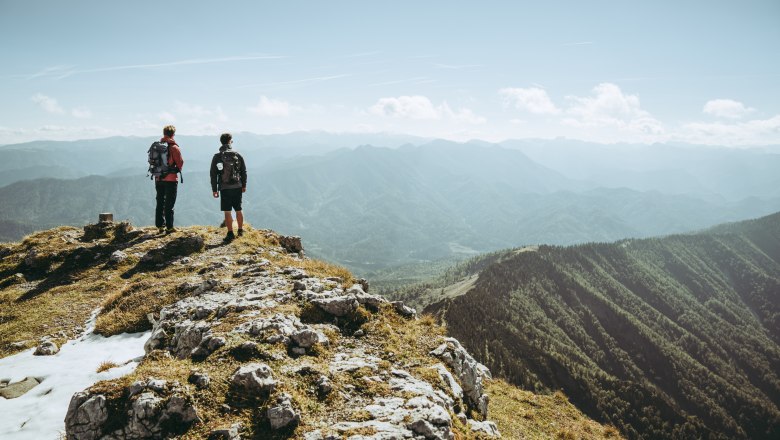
176 157
213 173
243 173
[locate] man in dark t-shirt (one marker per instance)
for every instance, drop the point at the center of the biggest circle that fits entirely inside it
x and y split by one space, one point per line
228 181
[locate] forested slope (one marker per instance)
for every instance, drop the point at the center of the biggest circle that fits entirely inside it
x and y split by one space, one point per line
676 337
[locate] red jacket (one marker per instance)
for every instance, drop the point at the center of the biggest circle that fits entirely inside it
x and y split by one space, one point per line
174 158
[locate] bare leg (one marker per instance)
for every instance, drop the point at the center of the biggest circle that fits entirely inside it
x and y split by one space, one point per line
228 220
240 219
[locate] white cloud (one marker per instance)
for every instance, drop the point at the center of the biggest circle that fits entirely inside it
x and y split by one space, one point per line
755 132
726 108
47 103
271 107
81 113
533 100
410 107
421 108
610 107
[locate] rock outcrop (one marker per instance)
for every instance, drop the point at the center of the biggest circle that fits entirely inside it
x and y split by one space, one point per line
152 409
274 342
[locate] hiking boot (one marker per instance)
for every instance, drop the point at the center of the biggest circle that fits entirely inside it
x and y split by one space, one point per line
240 232
230 236
161 229
170 230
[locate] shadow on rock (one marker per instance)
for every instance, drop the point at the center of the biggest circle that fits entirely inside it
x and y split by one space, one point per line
159 258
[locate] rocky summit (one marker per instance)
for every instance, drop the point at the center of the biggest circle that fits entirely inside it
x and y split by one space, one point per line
274 346
248 339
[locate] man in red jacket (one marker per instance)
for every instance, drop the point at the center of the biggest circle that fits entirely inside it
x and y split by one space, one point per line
167 186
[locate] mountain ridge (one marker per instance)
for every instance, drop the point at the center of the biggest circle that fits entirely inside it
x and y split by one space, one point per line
247 339
686 324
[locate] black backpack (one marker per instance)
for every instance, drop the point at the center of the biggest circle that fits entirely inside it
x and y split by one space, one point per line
158 161
231 167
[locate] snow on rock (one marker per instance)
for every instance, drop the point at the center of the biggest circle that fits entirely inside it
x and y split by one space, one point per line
40 413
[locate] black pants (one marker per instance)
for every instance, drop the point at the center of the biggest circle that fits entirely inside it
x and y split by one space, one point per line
166 198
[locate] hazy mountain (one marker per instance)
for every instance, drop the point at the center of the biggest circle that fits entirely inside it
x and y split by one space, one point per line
675 337
372 207
669 168
127 155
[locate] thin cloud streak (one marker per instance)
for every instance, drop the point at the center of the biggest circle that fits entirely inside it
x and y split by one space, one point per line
293 82
60 72
359 55
579 43
415 80
455 67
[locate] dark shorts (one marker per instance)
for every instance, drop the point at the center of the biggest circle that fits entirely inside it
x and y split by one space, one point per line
230 199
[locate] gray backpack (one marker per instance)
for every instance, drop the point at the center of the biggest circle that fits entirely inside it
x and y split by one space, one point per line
158 161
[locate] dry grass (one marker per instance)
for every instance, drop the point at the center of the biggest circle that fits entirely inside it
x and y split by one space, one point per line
404 340
524 415
106 365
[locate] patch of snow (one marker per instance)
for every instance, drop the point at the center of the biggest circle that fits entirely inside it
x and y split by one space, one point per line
40 414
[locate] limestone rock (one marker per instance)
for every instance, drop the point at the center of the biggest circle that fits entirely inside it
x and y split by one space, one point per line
307 337
282 413
46 348
85 417
156 409
232 433
253 380
291 244
470 373
337 306
187 337
18 389
156 340
117 257
485 428
404 310
324 386
199 379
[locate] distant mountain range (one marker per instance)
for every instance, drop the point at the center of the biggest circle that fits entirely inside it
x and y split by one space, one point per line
400 200
675 337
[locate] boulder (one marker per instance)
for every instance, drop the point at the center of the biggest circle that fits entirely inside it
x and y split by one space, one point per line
337 306
155 409
253 380
231 433
86 416
486 428
404 310
282 413
187 337
291 243
18 389
307 337
117 257
199 379
46 348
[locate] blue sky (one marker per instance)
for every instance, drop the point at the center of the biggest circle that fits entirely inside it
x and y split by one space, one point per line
692 71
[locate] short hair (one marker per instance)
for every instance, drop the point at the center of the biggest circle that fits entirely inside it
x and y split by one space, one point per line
169 130
225 138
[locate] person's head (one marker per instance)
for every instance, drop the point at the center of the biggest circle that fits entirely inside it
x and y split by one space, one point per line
169 130
226 139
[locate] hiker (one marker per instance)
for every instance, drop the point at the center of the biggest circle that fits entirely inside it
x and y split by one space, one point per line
228 181
167 184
